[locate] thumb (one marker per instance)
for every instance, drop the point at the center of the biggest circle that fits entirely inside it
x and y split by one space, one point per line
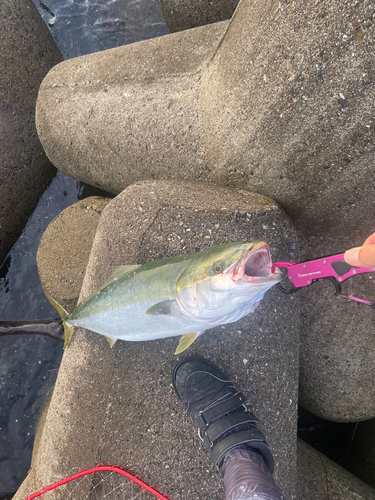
361 256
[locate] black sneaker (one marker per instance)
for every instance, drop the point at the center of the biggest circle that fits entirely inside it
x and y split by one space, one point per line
217 409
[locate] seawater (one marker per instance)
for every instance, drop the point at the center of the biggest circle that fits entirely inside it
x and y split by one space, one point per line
84 26
29 363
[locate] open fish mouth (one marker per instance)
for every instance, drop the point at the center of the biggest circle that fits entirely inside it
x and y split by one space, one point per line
254 266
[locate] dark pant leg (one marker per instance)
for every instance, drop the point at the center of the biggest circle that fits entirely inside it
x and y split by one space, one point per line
246 476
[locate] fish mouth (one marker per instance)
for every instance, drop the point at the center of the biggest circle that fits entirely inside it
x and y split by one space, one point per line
254 266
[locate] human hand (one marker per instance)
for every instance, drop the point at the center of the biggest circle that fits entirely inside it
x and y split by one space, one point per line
363 256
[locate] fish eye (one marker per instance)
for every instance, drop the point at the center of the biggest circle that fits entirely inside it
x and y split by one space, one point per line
217 268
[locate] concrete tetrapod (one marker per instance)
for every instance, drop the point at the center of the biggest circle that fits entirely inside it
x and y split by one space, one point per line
318 477
129 103
336 363
321 479
186 15
65 248
28 52
337 349
274 101
73 231
117 405
279 101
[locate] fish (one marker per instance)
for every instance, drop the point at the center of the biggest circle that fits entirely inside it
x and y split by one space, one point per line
184 295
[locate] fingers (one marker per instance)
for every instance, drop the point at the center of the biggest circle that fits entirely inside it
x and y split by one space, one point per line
363 256
370 240
366 256
351 256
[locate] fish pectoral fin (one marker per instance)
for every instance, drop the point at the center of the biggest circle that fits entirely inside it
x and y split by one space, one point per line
186 341
161 308
111 341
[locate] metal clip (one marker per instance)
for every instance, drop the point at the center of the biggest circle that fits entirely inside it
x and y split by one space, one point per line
291 290
356 299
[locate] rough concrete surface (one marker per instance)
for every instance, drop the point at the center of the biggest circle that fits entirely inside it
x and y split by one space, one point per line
28 51
117 405
181 15
318 477
287 109
65 248
30 484
282 104
62 258
337 341
321 479
128 109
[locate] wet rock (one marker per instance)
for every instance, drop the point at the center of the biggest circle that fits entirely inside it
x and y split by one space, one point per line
320 478
117 405
65 248
362 451
28 51
186 15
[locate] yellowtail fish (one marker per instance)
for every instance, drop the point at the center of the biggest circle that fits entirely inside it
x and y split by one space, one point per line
183 295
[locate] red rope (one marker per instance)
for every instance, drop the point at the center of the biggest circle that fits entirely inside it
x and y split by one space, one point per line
114 468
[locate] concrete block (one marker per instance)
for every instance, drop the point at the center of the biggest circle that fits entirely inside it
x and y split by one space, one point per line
318 477
117 405
130 113
286 108
362 451
65 248
181 15
321 479
28 52
275 101
337 348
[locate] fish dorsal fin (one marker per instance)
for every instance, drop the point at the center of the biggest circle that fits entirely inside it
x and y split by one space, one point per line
161 308
186 341
119 272
111 341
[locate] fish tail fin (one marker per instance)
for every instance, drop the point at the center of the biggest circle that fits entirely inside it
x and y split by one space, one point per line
67 335
64 314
